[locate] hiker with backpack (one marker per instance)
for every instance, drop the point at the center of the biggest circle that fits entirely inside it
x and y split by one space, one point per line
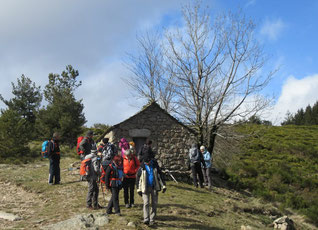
113 181
207 169
92 167
146 150
195 160
149 182
102 145
53 151
87 144
131 165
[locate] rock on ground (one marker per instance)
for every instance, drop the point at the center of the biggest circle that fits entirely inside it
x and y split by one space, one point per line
9 216
84 221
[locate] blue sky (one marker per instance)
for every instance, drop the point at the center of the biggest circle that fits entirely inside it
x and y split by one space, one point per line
39 37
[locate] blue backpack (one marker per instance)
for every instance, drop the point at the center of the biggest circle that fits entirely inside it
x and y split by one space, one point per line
45 148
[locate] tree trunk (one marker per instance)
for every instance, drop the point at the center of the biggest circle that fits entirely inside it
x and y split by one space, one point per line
212 138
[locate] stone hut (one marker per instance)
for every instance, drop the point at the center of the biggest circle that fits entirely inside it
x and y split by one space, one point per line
171 139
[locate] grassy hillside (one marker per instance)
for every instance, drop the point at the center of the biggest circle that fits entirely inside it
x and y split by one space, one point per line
279 164
25 192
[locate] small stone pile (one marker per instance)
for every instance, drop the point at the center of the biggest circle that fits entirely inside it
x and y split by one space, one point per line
284 223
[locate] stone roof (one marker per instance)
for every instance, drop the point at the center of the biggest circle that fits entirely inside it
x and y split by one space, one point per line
151 105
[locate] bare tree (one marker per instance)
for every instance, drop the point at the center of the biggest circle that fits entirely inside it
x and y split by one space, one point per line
149 79
214 66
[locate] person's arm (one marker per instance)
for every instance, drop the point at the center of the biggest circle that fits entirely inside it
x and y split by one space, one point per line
202 159
50 148
137 164
161 174
207 156
138 178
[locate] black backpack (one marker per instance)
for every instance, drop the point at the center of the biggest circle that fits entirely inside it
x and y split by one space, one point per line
194 155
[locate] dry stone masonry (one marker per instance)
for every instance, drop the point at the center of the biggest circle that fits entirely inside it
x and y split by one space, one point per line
171 139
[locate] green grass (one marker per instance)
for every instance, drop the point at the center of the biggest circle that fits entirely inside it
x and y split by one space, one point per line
279 164
181 207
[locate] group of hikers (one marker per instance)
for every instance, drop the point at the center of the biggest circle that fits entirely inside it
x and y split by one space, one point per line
104 164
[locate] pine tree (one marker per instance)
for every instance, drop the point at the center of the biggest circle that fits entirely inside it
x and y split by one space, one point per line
63 113
26 101
14 136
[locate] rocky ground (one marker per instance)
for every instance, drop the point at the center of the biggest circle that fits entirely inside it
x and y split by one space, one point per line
26 196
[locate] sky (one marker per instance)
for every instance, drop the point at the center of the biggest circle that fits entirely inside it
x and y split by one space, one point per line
38 37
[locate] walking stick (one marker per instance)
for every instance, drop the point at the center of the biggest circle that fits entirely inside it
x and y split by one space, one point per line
104 196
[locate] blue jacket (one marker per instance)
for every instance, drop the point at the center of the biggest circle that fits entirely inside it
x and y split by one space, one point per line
207 158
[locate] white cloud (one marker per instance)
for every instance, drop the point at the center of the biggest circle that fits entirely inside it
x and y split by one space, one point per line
40 37
295 94
250 3
273 29
106 97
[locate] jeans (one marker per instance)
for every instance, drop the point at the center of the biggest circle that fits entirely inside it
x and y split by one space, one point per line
54 170
196 170
114 201
129 188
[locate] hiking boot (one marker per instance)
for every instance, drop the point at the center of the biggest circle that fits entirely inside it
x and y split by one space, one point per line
98 207
89 207
109 213
50 183
127 206
118 214
132 205
146 222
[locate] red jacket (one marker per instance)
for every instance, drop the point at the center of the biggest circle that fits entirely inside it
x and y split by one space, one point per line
131 166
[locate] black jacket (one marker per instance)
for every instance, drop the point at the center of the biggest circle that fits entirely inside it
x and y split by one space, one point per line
54 150
112 177
86 145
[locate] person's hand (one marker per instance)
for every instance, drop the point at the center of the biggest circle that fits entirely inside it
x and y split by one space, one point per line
140 193
164 190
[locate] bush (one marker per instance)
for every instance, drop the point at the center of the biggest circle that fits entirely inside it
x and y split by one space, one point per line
279 164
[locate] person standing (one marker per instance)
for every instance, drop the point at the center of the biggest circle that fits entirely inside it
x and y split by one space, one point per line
123 145
113 182
146 150
207 169
54 157
87 144
103 145
149 182
196 158
92 178
131 166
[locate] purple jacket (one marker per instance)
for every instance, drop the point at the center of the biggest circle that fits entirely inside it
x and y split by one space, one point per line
124 145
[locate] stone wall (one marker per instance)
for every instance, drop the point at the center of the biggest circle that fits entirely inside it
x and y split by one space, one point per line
171 139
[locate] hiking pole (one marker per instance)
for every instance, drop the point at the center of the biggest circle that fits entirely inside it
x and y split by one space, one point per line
101 185
172 176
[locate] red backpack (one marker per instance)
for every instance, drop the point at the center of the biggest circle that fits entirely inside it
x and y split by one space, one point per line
79 140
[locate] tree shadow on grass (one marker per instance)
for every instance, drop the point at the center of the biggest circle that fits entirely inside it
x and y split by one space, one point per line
198 190
169 221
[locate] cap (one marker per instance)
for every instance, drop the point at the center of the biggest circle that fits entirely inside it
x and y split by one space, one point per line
89 133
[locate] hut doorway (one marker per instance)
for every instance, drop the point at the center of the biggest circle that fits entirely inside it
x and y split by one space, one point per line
139 142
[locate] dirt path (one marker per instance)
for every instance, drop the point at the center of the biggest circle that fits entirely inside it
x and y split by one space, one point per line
17 201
